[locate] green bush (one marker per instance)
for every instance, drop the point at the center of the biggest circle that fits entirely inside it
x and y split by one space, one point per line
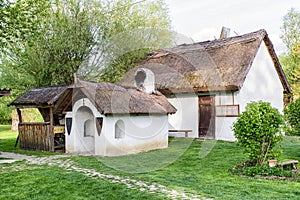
292 118
5 117
247 169
258 131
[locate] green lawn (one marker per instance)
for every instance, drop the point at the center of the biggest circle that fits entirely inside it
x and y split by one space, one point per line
54 183
179 167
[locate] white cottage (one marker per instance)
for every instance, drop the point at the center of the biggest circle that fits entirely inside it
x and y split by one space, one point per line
111 120
211 82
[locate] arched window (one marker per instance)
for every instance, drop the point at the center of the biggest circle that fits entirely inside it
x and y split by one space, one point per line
88 130
119 129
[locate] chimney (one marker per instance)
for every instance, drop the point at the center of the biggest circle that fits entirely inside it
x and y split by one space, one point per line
225 32
144 80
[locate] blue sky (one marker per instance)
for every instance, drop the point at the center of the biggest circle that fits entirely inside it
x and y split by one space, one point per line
203 19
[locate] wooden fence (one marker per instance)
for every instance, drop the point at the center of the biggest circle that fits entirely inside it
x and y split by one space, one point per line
36 136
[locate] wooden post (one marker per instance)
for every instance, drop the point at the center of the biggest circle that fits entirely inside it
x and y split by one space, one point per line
51 116
19 115
51 132
20 121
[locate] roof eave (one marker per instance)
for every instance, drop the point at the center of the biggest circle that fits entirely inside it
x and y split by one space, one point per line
170 91
278 67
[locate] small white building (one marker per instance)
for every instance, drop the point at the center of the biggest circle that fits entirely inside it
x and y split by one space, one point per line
111 120
211 82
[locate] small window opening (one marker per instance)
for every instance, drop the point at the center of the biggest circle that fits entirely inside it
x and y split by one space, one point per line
119 129
88 128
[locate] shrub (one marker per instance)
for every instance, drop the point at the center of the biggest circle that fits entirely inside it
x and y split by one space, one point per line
292 117
258 131
247 169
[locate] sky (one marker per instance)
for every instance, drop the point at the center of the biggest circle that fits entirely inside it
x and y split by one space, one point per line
202 20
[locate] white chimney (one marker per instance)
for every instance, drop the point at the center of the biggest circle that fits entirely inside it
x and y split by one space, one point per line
144 80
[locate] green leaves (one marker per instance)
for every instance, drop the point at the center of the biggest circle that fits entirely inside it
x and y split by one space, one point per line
19 21
291 38
258 131
48 41
45 42
291 29
292 116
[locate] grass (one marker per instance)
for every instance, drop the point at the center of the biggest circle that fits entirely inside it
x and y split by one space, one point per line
209 176
54 183
183 166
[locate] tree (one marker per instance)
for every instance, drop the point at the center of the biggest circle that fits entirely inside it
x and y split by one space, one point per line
51 40
19 21
258 131
291 59
73 32
292 116
291 29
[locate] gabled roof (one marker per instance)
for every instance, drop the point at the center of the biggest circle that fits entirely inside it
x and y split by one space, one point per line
43 96
110 98
215 65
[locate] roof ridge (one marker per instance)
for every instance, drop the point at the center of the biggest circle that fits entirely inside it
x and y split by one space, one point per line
207 44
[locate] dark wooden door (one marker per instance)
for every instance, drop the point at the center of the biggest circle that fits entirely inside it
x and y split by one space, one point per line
207 116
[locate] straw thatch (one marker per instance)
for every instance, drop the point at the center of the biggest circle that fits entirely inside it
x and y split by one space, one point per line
207 66
39 97
110 98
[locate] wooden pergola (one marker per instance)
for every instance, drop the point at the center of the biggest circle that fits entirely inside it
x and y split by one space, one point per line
52 102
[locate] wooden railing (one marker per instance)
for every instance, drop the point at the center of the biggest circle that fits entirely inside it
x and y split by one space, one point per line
36 136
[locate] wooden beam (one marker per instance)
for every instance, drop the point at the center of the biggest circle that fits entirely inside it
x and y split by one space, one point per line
20 121
51 116
19 115
51 131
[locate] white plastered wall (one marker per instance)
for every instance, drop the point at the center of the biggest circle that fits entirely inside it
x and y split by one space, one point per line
261 84
186 117
76 142
142 133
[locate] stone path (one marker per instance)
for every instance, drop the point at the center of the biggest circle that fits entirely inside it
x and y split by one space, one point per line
12 157
67 164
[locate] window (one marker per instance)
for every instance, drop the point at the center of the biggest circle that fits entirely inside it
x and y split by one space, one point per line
99 123
69 125
227 111
119 129
88 130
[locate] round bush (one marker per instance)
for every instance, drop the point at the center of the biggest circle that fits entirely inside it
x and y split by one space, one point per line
258 131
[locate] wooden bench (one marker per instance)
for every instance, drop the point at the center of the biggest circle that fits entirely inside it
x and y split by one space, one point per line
186 131
294 164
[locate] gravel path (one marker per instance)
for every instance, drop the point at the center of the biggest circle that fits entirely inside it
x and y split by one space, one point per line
130 183
13 157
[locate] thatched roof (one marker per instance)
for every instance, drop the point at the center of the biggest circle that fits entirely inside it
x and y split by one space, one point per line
4 92
39 97
216 65
110 98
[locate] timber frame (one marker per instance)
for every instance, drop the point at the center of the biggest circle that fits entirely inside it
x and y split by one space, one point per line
52 102
36 135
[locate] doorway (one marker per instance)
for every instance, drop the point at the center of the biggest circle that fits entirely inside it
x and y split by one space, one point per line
85 124
206 116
